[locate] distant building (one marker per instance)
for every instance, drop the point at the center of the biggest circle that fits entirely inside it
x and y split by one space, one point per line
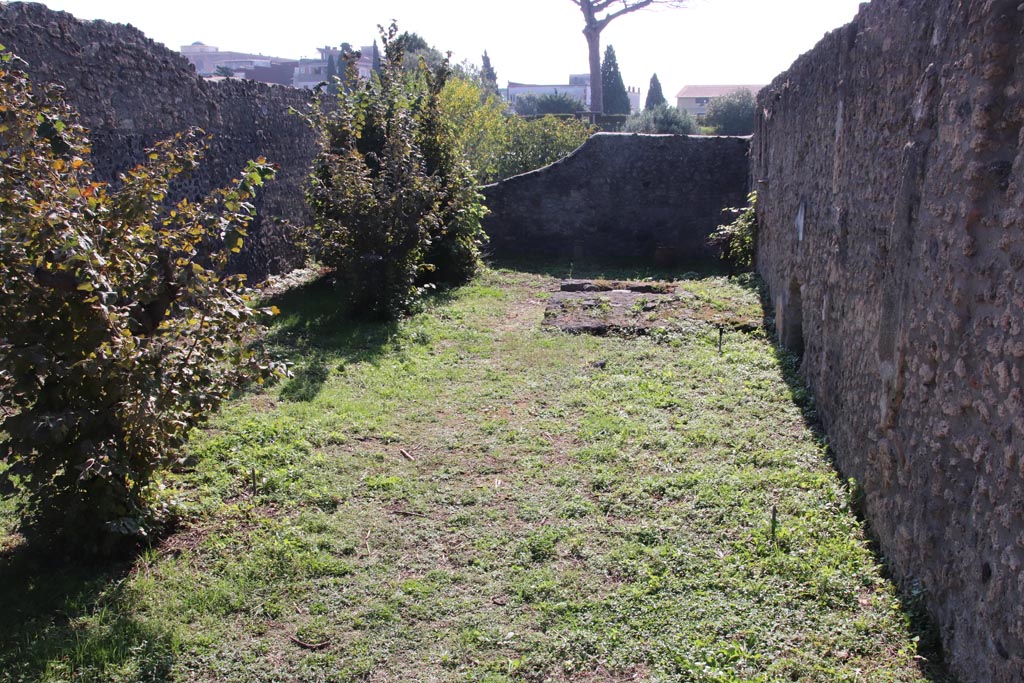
206 59
577 88
311 72
580 93
299 73
634 99
694 99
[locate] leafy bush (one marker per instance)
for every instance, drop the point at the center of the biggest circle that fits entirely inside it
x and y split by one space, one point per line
732 114
737 240
661 119
551 103
394 203
532 144
117 334
497 145
476 118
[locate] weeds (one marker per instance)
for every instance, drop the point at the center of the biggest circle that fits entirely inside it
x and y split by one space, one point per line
573 508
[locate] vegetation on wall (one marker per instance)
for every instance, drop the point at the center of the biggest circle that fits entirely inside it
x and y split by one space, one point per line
118 334
395 206
737 240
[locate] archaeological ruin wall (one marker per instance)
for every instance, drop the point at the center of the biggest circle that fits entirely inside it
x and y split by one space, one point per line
132 92
890 174
653 198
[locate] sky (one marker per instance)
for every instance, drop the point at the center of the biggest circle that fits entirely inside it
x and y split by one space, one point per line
528 41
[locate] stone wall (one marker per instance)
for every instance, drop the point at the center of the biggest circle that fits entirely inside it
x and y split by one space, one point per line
621 196
891 177
131 92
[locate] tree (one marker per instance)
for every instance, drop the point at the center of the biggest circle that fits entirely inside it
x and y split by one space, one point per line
550 103
224 71
488 76
594 22
616 99
415 48
655 97
662 119
476 118
332 73
118 332
395 206
732 114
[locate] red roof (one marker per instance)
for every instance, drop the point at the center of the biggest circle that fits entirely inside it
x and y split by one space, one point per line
715 90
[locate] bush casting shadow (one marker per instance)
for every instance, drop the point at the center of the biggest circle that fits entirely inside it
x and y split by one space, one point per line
75 622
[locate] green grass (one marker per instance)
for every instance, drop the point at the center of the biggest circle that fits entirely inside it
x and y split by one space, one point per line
464 496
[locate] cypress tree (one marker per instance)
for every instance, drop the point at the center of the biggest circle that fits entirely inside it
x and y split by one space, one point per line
332 72
616 99
655 97
488 76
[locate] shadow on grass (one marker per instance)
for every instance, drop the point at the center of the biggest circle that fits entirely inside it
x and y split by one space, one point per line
75 622
912 600
315 324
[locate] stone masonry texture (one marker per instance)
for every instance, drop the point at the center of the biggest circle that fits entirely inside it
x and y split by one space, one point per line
621 196
890 174
131 92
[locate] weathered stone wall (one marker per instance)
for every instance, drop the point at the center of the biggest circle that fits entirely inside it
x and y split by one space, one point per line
891 177
621 196
132 92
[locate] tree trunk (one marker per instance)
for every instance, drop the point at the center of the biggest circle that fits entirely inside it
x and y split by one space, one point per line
593 36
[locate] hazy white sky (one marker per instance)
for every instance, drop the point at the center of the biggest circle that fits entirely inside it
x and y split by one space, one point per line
529 41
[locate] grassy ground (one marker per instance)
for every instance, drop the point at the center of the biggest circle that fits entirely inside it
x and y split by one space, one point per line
465 496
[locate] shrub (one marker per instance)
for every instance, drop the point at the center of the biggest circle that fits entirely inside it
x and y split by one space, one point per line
549 103
117 335
498 146
532 144
390 190
476 118
661 119
732 114
737 241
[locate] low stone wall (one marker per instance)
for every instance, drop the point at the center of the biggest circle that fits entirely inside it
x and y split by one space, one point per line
621 196
890 174
132 92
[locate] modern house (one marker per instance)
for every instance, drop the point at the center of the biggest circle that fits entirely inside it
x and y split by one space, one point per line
694 99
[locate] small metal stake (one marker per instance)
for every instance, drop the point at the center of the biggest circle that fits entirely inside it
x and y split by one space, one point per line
775 521
721 331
